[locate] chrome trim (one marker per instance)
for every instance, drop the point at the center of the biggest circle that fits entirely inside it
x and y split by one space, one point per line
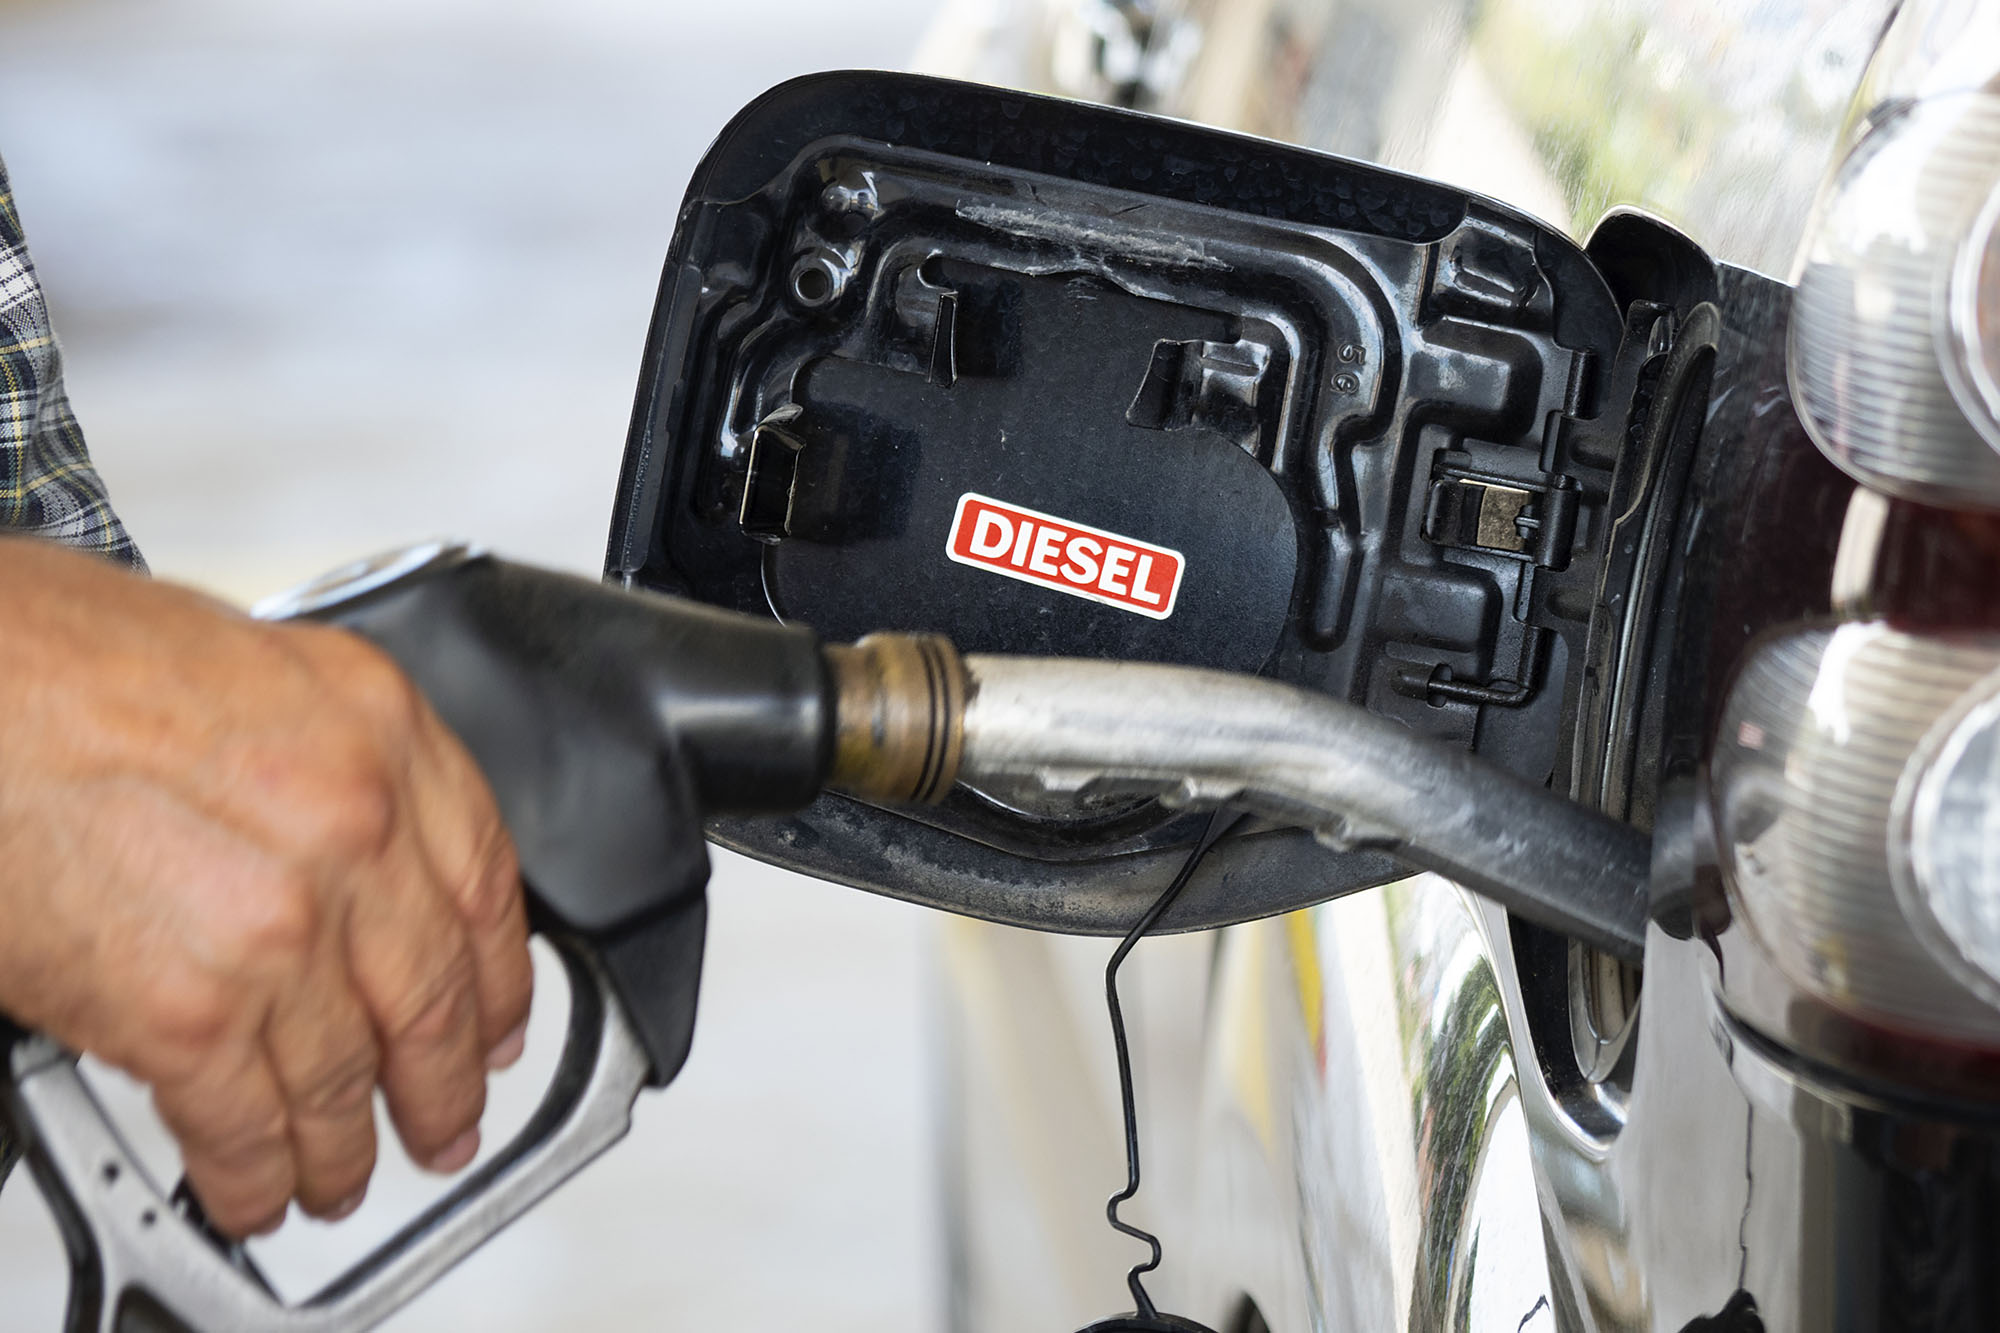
361 577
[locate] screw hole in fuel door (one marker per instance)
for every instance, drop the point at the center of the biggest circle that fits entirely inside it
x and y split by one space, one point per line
1065 380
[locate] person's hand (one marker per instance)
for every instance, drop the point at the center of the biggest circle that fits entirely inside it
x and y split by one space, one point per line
245 863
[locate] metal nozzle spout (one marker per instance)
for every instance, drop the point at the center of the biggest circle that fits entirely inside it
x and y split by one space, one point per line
899 717
912 717
1206 738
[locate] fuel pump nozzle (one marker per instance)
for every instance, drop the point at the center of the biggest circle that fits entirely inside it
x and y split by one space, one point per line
611 723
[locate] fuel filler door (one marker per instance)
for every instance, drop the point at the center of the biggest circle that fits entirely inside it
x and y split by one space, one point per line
1057 379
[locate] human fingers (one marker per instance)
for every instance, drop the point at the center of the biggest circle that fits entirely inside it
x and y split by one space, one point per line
189 950
413 775
474 861
354 816
229 1117
412 963
321 1046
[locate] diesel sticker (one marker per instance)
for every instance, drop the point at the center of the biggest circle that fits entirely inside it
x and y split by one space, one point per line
1069 557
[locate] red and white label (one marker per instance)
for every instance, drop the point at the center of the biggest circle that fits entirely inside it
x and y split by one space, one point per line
1069 557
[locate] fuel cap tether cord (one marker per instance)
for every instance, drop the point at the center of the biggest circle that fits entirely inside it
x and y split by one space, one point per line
1146 1315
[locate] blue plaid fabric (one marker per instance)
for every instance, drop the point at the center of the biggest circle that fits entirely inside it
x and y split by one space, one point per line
47 484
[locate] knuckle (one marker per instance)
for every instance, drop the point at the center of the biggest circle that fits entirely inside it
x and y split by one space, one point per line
491 895
243 1144
333 783
435 1103
438 1006
359 815
279 921
239 1140
374 684
339 1088
192 1011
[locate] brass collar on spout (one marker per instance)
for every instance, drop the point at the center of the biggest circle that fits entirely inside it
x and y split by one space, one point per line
899 707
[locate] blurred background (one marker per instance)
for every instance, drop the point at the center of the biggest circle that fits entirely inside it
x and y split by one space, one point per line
332 277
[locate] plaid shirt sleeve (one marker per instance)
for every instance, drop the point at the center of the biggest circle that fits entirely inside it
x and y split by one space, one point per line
47 484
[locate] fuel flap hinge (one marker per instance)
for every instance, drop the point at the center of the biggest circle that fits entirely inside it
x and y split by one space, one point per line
1474 510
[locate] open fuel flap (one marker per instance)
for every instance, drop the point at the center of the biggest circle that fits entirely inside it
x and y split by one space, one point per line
1065 380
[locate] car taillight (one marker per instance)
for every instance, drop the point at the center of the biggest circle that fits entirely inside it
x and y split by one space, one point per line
1972 363
1895 336
1945 852
1857 787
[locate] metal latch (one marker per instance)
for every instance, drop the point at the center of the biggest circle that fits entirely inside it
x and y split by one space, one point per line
1483 511
1528 519
770 484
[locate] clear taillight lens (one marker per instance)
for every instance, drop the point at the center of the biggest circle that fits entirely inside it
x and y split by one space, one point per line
1945 851
1857 784
1972 363
1893 354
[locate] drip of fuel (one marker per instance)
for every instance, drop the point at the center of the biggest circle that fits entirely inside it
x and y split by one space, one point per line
1145 1317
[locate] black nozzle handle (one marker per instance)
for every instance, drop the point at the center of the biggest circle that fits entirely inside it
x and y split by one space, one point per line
608 724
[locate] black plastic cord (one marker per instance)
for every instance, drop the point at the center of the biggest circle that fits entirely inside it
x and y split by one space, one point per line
1220 823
